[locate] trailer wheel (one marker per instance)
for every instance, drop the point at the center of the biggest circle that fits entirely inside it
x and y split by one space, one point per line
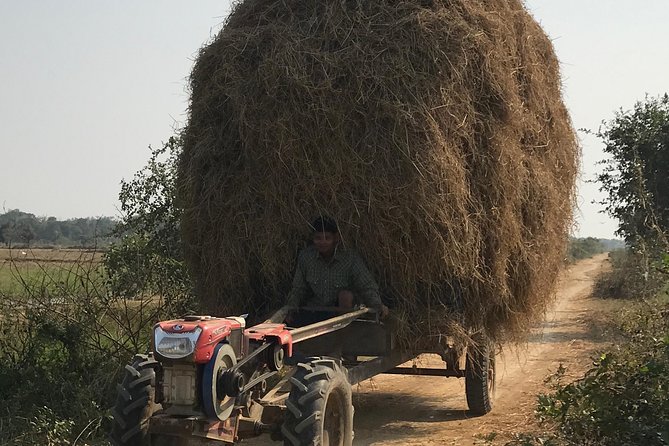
319 409
480 378
135 403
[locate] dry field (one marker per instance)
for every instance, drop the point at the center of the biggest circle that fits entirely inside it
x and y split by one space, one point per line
40 255
24 268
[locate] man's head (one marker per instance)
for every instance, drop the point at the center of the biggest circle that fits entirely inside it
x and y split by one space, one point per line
325 235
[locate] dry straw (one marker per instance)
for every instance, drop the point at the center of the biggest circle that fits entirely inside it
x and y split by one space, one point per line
433 131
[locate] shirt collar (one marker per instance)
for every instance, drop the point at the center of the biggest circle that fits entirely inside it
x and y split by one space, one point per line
335 256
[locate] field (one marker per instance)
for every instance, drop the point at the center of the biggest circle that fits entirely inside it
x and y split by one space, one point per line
22 270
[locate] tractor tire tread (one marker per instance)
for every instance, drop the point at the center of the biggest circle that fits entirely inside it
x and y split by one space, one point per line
310 396
293 409
477 389
135 403
132 371
312 385
123 392
141 402
307 421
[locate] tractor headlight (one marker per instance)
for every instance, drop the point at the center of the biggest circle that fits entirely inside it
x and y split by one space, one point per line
176 345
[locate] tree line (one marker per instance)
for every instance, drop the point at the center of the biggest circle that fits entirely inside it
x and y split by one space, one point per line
23 229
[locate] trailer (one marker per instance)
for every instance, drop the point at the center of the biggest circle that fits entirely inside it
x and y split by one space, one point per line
212 380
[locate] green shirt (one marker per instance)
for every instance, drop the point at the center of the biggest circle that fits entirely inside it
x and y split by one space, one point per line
317 280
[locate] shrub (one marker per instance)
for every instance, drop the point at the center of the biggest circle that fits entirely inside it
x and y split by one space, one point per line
583 248
64 340
632 276
624 398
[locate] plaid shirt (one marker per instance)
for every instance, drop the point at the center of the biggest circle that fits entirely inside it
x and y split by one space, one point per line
317 281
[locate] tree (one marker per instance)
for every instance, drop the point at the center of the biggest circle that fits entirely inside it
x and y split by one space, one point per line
635 176
149 255
25 232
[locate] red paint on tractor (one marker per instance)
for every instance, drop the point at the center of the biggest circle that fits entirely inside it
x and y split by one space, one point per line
262 332
214 331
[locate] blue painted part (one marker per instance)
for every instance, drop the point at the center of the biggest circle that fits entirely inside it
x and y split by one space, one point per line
208 396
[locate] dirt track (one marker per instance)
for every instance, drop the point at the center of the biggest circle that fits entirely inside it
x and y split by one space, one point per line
394 410
404 410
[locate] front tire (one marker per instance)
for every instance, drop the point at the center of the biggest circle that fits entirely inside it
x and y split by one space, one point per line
319 409
480 378
135 403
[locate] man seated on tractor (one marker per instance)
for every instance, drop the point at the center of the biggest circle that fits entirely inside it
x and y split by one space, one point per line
329 275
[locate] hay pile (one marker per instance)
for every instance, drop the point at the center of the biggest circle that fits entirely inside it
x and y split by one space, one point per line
433 131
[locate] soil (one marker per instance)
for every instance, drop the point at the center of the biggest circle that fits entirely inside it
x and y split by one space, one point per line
394 410
407 410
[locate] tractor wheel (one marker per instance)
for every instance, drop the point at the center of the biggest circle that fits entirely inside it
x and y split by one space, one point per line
319 407
480 378
135 403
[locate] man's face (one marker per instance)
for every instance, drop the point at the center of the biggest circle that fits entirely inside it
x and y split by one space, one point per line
325 243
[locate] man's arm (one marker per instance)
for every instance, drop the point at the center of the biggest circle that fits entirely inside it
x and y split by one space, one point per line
300 289
365 285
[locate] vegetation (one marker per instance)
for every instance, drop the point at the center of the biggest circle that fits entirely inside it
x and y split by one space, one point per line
624 398
21 229
148 255
635 176
20 274
630 278
70 323
583 248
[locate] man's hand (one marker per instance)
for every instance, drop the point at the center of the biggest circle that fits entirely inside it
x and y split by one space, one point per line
383 311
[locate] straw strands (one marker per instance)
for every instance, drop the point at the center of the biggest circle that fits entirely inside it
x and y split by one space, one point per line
433 131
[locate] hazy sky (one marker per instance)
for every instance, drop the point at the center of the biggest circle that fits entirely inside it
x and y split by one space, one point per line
87 85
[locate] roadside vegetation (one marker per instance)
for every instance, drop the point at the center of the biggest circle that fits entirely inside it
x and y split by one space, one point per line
71 319
623 399
583 248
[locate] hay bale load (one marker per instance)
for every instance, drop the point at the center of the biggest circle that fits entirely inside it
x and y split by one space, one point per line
433 131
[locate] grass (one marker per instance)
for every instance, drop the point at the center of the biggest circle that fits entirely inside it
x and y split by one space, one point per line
65 337
23 272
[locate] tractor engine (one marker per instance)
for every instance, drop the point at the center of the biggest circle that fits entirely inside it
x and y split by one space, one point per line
194 352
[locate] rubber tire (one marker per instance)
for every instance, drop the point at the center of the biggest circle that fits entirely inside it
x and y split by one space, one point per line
315 385
135 403
480 378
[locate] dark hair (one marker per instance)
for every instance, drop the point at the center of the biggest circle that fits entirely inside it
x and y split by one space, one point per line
325 224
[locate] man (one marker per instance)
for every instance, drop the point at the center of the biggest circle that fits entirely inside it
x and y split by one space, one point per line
328 275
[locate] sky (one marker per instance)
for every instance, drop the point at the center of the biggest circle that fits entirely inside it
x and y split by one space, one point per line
86 86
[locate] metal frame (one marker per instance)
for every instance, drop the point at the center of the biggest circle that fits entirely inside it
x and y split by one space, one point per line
327 326
266 411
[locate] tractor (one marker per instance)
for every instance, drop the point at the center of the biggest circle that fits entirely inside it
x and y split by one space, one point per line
213 380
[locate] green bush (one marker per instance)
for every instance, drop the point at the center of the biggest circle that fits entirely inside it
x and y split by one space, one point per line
631 276
624 398
52 381
63 344
583 248
148 255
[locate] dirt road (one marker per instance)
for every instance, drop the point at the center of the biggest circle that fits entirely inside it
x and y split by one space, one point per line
405 410
394 410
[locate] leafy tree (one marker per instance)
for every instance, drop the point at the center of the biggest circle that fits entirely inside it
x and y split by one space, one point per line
149 256
22 227
635 176
583 248
25 232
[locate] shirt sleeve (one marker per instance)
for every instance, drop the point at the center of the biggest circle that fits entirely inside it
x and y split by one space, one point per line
300 288
365 285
